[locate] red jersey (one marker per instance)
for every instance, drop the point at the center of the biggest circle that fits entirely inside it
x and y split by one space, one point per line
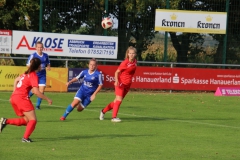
127 70
25 84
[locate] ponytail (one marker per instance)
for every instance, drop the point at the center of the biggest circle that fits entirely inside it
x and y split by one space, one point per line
34 65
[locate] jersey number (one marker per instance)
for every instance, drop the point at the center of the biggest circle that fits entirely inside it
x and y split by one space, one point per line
20 82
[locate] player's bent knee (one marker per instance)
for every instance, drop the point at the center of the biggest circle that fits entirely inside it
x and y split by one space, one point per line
80 108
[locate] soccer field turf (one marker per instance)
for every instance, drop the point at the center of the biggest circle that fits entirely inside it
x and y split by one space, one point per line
166 126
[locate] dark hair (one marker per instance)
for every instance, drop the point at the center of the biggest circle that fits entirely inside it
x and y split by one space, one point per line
34 65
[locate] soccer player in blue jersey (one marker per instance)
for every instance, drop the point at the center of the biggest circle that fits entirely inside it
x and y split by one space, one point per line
45 63
92 84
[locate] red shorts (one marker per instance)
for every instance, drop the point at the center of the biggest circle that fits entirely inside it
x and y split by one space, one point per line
21 105
122 90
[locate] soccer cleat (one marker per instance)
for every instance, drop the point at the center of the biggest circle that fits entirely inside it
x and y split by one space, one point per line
27 140
116 120
38 107
62 119
2 123
101 117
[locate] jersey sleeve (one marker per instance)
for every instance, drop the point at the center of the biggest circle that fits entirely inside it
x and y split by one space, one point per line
34 80
122 66
81 75
100 79
29 59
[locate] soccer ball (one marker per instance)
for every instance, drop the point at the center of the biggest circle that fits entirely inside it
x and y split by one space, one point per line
107 23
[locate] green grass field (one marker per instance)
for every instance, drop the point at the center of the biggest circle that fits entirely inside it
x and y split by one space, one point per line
166 126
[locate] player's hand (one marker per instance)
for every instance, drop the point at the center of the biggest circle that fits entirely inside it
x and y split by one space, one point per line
92 97
67 84
116 83
49 68
49 101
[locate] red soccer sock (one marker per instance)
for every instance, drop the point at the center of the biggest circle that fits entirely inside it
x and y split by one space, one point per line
30 128
16 121
108 107
116 108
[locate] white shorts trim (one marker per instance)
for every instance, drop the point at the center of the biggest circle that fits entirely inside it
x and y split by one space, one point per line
80 101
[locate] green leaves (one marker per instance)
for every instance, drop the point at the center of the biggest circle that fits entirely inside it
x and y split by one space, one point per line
16 13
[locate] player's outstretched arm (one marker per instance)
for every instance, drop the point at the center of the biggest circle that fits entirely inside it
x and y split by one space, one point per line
71 81
36 91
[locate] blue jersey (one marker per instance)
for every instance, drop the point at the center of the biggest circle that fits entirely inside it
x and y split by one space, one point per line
90 81
44 62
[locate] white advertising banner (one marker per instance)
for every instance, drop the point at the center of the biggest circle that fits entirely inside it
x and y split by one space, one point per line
69 45
190 21
5 41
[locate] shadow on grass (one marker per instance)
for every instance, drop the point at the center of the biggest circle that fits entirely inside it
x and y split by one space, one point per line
79 137
142 119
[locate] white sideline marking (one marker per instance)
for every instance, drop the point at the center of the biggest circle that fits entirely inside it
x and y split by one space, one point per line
183 121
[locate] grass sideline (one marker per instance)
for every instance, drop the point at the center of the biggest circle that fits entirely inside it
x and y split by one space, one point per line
167 126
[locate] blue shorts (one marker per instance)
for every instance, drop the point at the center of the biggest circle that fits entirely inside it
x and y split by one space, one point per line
85 99
42 81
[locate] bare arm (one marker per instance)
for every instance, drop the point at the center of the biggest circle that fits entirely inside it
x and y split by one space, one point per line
95 93
97 90
116 77
71 81
48 67
36 91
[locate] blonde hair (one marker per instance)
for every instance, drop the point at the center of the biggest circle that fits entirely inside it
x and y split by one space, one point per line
93 59
130 48
39 42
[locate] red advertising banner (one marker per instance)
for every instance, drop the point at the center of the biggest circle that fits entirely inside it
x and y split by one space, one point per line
176 78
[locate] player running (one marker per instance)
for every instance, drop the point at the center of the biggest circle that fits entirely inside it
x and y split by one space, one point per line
92 84
45 62
123 81
21 103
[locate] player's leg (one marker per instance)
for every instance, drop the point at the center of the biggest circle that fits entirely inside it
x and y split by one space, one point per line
84 103
30 94
106 109
110 106
120 94
15 102
77 99
80 107
42 86
70 108
39 100
32 122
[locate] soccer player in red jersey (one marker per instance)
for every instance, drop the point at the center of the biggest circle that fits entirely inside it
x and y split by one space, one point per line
123 81
21 103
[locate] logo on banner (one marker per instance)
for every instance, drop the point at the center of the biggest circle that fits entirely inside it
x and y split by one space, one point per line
176 78
223 91
50 44
209 18
173 17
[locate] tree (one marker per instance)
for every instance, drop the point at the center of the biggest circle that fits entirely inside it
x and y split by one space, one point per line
233 31
135 24
19 15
